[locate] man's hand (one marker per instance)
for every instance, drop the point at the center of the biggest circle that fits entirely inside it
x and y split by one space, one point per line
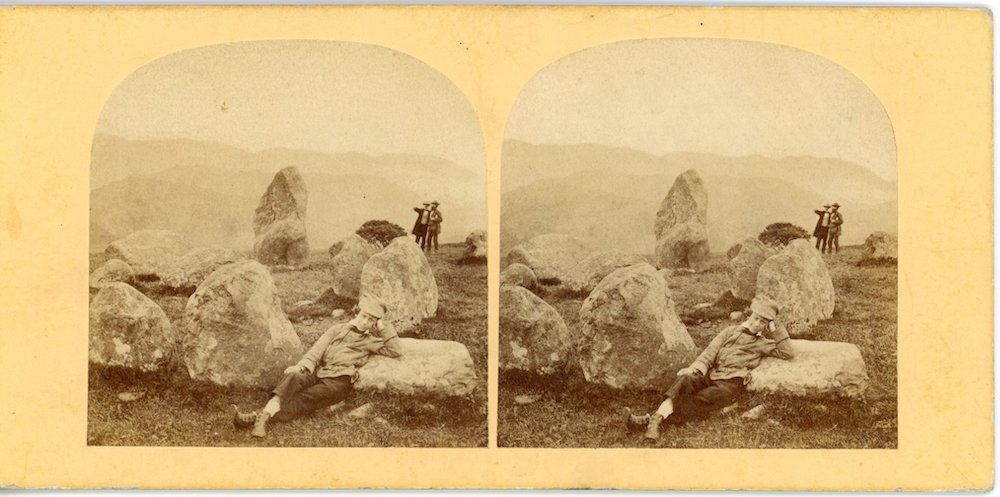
688 371
295 368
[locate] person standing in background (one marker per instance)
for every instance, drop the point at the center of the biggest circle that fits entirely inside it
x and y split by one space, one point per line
420 226
822 227
434 226
833 235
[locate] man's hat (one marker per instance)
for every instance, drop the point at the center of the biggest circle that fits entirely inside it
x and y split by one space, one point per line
435 203
765 308
826 205
836 204
372 307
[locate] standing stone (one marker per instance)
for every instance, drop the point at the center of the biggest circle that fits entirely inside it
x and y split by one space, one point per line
279 221
475 246
436 367
128 329
235 332
880 245
798 281
680 228
113 271
818 368
400 277
349 258
149 252
745 259
552 257
533 337
630 335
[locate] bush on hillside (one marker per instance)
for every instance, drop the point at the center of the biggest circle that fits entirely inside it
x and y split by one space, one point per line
779 234
380 232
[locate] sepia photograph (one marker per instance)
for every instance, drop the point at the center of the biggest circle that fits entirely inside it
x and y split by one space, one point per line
287 248
699 251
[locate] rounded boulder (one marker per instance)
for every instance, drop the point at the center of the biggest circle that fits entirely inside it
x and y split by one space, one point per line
128 329
533 336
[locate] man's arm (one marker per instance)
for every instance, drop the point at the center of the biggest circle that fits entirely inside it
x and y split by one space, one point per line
392 346
783 345
707 356
418 210
315 353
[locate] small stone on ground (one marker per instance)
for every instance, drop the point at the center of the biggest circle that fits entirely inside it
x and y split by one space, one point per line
527 399
361 412
131 396
753 413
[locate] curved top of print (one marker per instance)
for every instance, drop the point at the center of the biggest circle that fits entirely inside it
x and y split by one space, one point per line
774 131
190 141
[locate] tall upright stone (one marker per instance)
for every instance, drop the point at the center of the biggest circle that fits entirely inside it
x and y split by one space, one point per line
681 224
798 281
629 334
279 222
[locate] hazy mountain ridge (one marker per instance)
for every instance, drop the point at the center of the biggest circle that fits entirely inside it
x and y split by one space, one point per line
617 211
205 192
834 179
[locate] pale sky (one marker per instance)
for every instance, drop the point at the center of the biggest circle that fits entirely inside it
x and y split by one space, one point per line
313 95
725 97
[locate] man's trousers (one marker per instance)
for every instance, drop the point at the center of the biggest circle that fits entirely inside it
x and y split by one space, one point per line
304 392
695 396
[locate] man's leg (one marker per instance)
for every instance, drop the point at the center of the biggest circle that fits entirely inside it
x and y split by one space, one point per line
682 388
325 392
716 395
290 385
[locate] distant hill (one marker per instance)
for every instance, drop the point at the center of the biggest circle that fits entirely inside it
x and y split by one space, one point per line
835 180
615 207
209 192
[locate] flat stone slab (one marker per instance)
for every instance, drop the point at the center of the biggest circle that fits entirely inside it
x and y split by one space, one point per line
817 369
426 367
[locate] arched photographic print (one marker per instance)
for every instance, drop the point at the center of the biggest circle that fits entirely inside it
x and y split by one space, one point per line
699 243
287 246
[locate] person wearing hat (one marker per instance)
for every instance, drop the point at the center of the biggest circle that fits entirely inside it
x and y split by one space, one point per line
721 371
420 226
326 373
833 235
822 227
434 226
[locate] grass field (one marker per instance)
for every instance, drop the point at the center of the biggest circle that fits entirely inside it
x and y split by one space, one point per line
176 411
572 413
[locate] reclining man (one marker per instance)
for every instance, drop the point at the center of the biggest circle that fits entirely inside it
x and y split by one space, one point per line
717 377
326 373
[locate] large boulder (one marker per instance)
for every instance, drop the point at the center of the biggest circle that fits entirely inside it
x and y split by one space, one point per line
818 368
520 275
745 259
349 258
552 257
426 367
113 271
475 247
880 245
279 220
149 252
680 227
400 277
630 335
189 270
798 281
533 337
596 266
128 329
235 331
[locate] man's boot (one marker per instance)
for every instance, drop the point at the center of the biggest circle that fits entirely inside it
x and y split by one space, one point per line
260 426
635 422
653 428
243 420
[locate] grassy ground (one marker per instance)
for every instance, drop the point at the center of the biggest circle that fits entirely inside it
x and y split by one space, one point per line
572 413
175 411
